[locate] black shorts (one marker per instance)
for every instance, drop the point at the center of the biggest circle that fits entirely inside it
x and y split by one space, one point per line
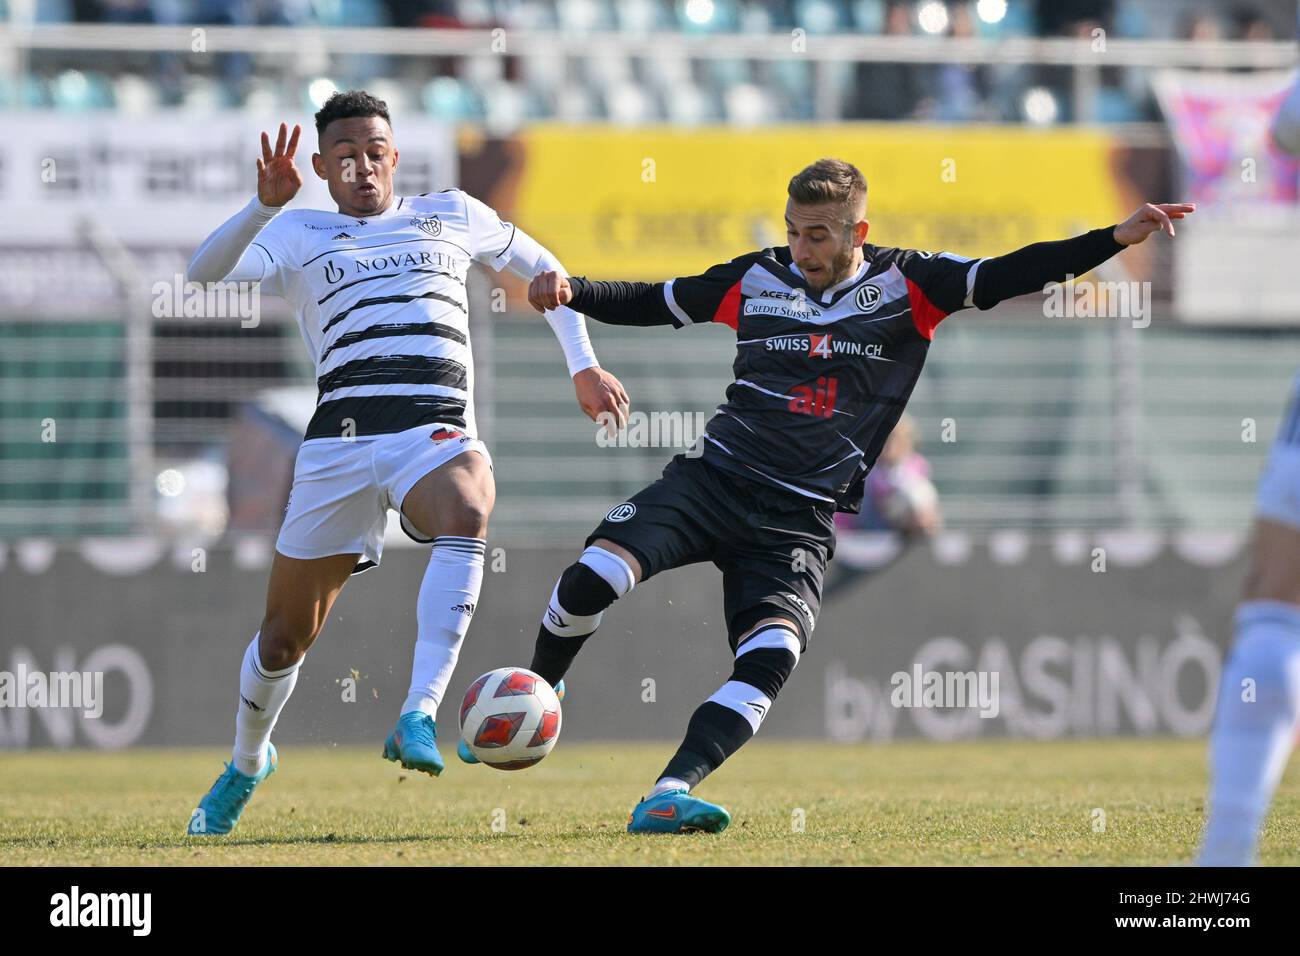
772 546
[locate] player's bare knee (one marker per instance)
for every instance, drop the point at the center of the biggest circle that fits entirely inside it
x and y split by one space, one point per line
467 516
284 640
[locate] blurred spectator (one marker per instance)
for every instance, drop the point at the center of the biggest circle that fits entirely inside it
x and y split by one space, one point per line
1247 24
898 495
423 13
128 11
1201 25
1062 17
890 91
962 88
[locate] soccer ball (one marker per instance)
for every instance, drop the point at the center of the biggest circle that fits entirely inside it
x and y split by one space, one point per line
510 718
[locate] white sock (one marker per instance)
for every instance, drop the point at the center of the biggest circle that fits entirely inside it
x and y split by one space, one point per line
262 695
1252 739
448 595
664 784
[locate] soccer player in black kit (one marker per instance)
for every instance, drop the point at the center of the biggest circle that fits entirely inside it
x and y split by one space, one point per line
831 335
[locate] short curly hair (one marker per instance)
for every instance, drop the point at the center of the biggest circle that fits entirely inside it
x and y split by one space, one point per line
345 105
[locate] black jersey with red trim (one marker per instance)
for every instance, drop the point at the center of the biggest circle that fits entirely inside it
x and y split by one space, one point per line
821 378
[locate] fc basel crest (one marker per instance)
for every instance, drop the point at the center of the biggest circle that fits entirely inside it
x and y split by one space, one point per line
868 298
429 224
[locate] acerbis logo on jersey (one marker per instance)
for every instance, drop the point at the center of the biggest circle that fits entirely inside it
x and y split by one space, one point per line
621 512
802 605
868 298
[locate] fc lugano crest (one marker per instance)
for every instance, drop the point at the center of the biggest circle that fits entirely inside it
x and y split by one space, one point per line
622 512
429 224
868 298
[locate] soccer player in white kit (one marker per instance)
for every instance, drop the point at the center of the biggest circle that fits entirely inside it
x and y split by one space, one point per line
379 291
1258 714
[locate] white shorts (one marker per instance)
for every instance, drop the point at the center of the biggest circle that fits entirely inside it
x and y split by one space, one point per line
1279 486
342 490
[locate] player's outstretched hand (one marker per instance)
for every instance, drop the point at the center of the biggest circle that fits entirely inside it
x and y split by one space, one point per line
549 290
1150 218
602 397
278 179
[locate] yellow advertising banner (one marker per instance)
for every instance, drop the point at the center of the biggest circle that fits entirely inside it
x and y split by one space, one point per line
652 203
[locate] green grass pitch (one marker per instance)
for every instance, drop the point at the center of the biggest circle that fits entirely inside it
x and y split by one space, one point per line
1134 802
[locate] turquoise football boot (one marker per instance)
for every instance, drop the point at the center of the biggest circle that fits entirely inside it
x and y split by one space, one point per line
221 807
462 748
676 811
413 743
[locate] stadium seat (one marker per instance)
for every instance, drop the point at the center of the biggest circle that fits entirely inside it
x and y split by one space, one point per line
1019 21
640 17
758 19
724 73
526 14
350 13
574 103
789 77
819 16
747 105
447 99
868 16
542 72
628 105
604 71
75 90
583 16
687 105
666 71
476 14
708 16
1115 106
504 105
134 94
482 69
262 98
392 92
53 11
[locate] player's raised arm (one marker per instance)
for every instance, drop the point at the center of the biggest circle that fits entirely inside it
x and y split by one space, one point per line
1032 267
505 246
692 300
227 253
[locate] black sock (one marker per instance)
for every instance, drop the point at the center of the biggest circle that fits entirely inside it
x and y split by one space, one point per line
581 593
552 655
714 734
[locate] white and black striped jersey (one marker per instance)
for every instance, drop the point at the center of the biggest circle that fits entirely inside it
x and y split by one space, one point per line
382 305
